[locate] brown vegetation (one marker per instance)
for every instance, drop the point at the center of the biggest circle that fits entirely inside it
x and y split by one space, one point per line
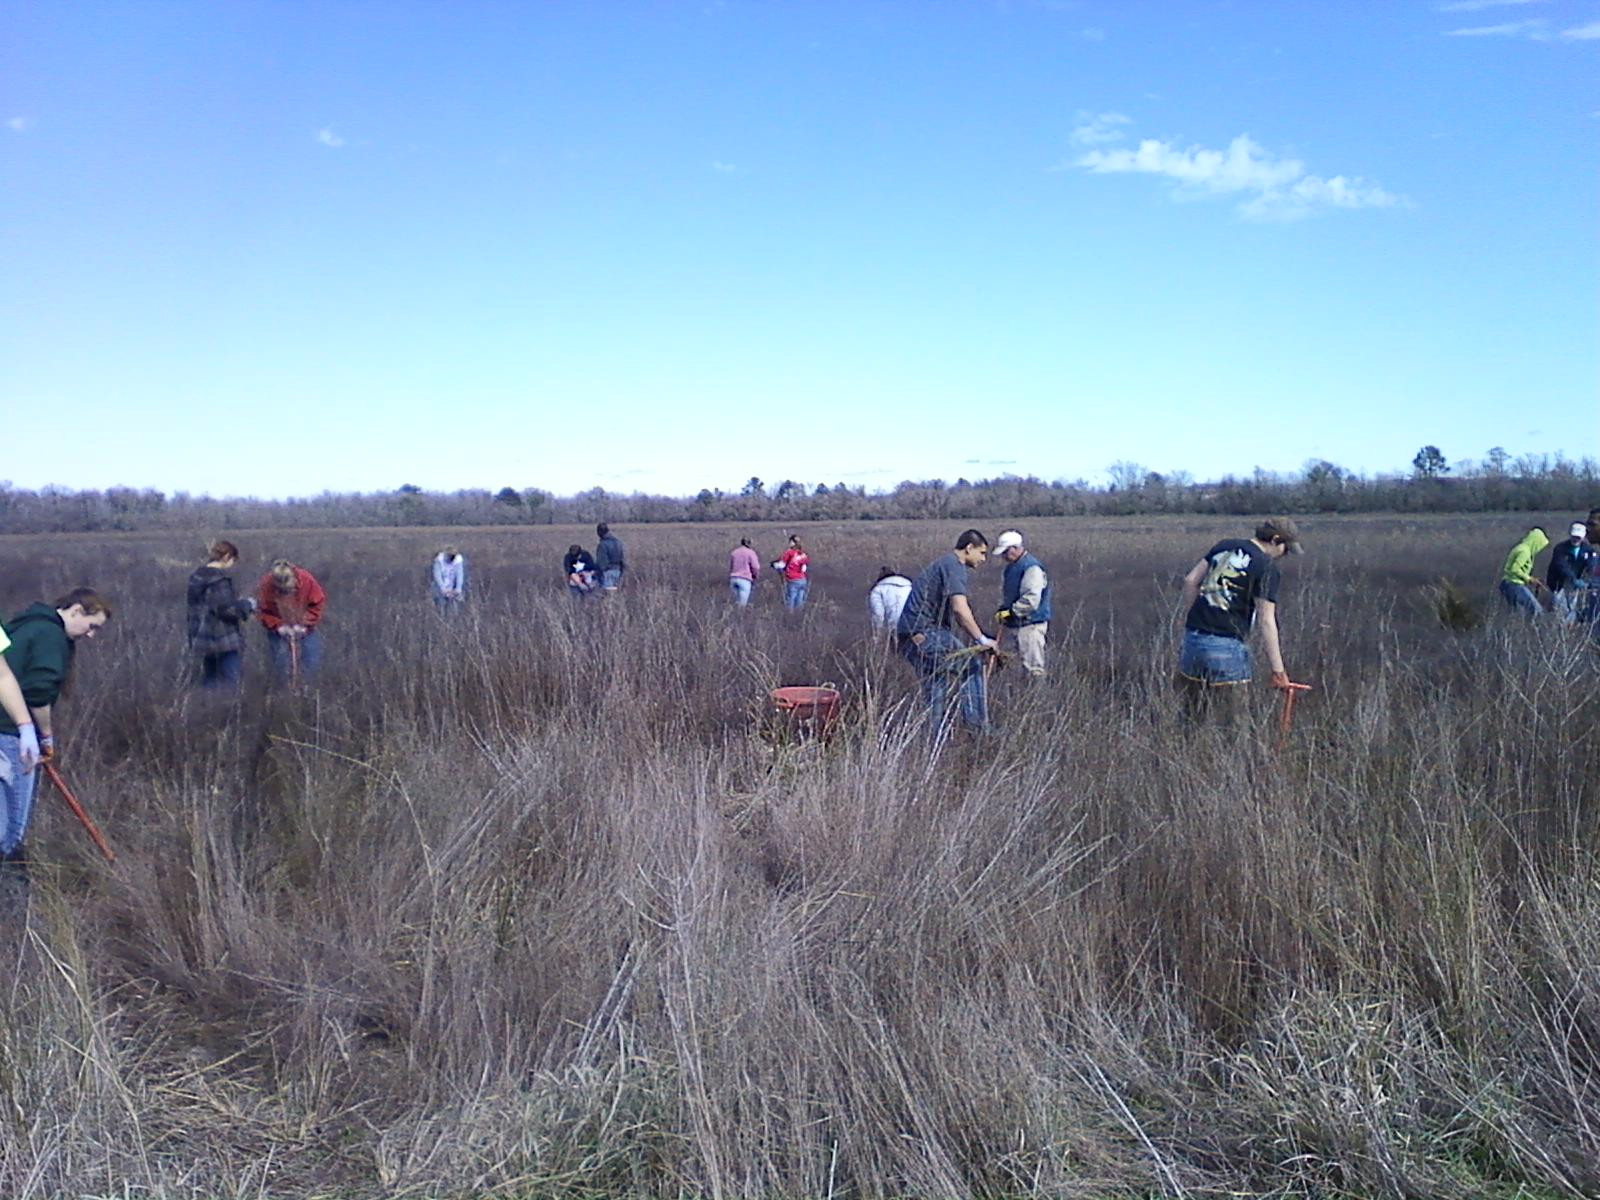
527 905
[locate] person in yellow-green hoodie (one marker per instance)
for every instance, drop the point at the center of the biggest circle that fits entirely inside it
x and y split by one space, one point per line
1517 581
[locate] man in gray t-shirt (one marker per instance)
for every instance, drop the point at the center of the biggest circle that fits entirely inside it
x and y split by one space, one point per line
928 605
927 634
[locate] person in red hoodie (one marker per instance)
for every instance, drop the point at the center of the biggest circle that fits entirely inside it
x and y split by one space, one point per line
290 604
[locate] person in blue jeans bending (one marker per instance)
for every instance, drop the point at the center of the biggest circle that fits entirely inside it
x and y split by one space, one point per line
953 676
1517 580
1230 591
43 641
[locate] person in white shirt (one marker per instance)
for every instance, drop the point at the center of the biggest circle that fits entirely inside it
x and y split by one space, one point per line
887 598
449 580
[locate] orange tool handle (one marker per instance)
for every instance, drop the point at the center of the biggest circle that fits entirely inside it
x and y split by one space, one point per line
78 810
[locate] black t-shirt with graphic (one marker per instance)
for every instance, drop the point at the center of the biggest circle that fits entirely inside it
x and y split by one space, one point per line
1238 573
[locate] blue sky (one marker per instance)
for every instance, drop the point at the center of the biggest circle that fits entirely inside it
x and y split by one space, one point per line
277 248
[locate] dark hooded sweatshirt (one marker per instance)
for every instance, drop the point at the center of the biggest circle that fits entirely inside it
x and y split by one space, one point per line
40 657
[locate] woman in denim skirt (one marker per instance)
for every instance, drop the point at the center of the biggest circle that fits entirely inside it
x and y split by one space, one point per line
1228 593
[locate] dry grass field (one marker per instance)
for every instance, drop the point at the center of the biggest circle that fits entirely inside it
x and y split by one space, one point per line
534 903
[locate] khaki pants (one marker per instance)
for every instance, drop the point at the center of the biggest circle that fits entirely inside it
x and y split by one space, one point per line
1030 644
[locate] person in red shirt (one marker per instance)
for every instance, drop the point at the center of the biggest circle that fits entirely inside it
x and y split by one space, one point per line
796 566
290 604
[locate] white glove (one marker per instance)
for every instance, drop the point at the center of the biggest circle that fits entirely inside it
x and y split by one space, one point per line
28 737
984 640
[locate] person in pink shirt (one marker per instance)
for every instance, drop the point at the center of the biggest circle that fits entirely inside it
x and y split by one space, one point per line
796 567
743 567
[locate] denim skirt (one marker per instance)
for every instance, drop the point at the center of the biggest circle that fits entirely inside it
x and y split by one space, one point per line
1212 658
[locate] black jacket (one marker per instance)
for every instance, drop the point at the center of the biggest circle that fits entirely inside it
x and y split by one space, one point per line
1568 565
216 615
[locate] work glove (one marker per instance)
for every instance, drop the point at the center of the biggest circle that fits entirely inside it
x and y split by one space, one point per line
1001 617
28 745
985 640
47 748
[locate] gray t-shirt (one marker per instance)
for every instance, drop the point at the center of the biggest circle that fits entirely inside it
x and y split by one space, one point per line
928 606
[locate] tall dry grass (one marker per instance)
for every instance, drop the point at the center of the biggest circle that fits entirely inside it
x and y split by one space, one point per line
534 904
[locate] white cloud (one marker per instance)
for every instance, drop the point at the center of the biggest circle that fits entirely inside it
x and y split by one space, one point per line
329 138
1583 33
1098 129
1453 6
1092 33
725 168
1311 193
1527 29
1272 188
19 124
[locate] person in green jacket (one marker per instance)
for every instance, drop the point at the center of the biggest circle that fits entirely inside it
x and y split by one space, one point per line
1517 580
43 639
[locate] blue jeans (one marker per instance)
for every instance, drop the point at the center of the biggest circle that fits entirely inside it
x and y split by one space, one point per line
741 589
16 793
225 670
948 684
310 655
1520 597
446 606
794 592
1212 658
611 578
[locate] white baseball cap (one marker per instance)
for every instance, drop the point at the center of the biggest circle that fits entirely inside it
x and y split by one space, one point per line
1009 540
1579 529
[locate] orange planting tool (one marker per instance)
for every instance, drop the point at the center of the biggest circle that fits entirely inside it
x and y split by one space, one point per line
77 809
1291 693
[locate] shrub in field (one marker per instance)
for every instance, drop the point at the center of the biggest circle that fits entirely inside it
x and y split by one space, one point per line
1454 606
525 904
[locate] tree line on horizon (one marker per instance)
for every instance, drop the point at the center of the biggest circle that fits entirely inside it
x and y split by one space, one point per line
1496 483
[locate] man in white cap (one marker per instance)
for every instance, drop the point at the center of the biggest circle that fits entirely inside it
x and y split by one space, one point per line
1568 573
1024 600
